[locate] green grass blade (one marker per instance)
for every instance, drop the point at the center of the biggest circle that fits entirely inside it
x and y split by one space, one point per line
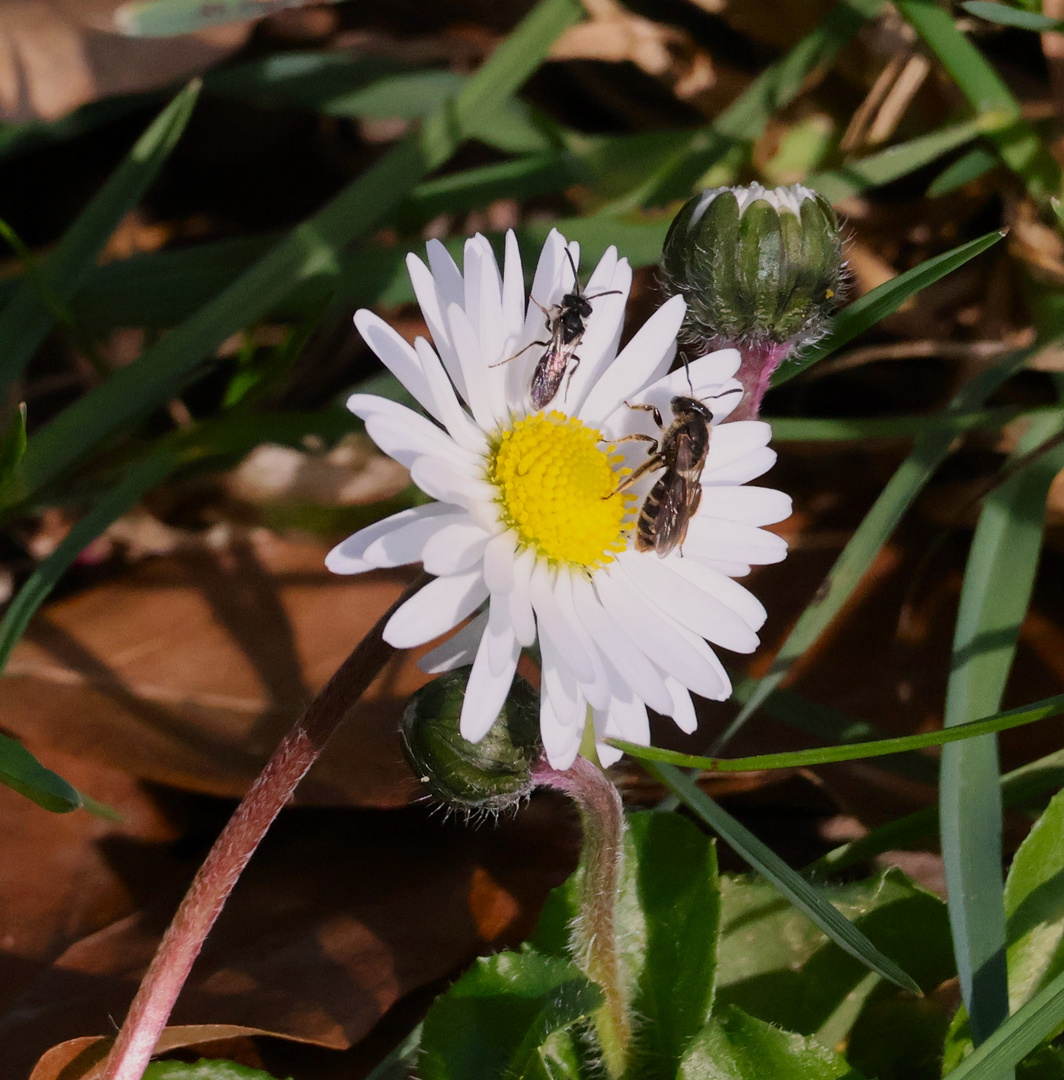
27 318
1006 15
312 250
864 313
823 755
814 429
1017 142
1030 1025
806 897
995 596
22 772
171 18
914 472
123 497
975 163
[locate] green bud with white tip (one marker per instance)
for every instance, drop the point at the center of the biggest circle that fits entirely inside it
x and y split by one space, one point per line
491 775
755 265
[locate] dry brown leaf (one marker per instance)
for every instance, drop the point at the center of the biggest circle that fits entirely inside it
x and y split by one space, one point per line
340 914
58 54
187 670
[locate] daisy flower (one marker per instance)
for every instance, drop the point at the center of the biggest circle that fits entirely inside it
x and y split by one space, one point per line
528 538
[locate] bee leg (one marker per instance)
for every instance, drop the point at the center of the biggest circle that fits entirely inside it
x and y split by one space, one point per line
548 318
637 437
652 409
651 463
572 371
500 363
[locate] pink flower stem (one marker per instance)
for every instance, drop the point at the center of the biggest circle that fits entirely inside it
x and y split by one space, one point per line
236 844
594 932
759 361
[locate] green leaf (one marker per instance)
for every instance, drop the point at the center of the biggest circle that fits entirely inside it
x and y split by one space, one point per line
170 18
492 1022
557 1059
797 759
20 770
1017 143
816 429
775 964
806 897
735 1046
12 448
968 167
310 251
203 1069
1004 550
679 895
27 318
871 308
1004 15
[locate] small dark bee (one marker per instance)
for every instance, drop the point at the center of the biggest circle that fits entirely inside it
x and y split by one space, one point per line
565 324
681 452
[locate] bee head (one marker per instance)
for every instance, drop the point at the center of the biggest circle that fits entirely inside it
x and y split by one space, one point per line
686 407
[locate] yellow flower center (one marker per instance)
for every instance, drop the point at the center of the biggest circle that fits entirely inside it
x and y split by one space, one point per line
554 476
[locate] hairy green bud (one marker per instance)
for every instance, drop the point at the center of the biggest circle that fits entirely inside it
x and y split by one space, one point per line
491 775
755 265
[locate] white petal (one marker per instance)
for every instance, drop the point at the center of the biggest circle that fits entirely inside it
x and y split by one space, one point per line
346 557
700 612
683 709
406 442
735 440
751 505
438 607
558 682
622 652
454 547
674 650
548 272
405 544
474 368
709 580
486 692
499 561
445 274
553 624
597 689
448 409
733 540
520 598
560 741
396 354
448 482
642 361
624 719
501 637
513 292
429 300
458 650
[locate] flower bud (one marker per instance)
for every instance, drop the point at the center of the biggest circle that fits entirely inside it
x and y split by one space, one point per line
491 775
755 266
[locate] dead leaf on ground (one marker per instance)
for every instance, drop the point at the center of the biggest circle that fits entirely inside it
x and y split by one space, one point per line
187 670
340 914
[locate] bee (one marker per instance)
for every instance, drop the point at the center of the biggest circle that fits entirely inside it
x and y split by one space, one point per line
566 327
681 451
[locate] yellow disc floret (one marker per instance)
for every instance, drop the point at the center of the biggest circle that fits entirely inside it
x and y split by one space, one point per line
555 482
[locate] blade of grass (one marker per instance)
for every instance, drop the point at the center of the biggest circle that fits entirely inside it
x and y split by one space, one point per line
1032 1023
23 773
311 250
995 596
1020 787
822 755
864 313
929 452
171 18
806 897
1006 15
811 429
28 317
1017 142
976 162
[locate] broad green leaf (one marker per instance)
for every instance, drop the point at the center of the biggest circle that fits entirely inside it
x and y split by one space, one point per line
1005 548
1017 142
865 544
26 318
491 1023
735 1046
307 252
875 1049
557 1059
1006 15
203 1069
968 167
805 896
796 759
777 965
679 895
20 770
871 308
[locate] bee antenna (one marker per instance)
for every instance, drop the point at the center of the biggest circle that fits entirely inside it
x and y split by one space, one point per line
687 372
572 263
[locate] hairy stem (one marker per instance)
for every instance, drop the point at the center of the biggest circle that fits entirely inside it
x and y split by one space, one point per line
759 361
236 844
595 945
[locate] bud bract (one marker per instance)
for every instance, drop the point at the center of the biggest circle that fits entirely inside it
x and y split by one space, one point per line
755 265
491 775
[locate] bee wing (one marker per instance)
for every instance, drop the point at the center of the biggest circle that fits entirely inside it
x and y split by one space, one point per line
547 377
678 501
